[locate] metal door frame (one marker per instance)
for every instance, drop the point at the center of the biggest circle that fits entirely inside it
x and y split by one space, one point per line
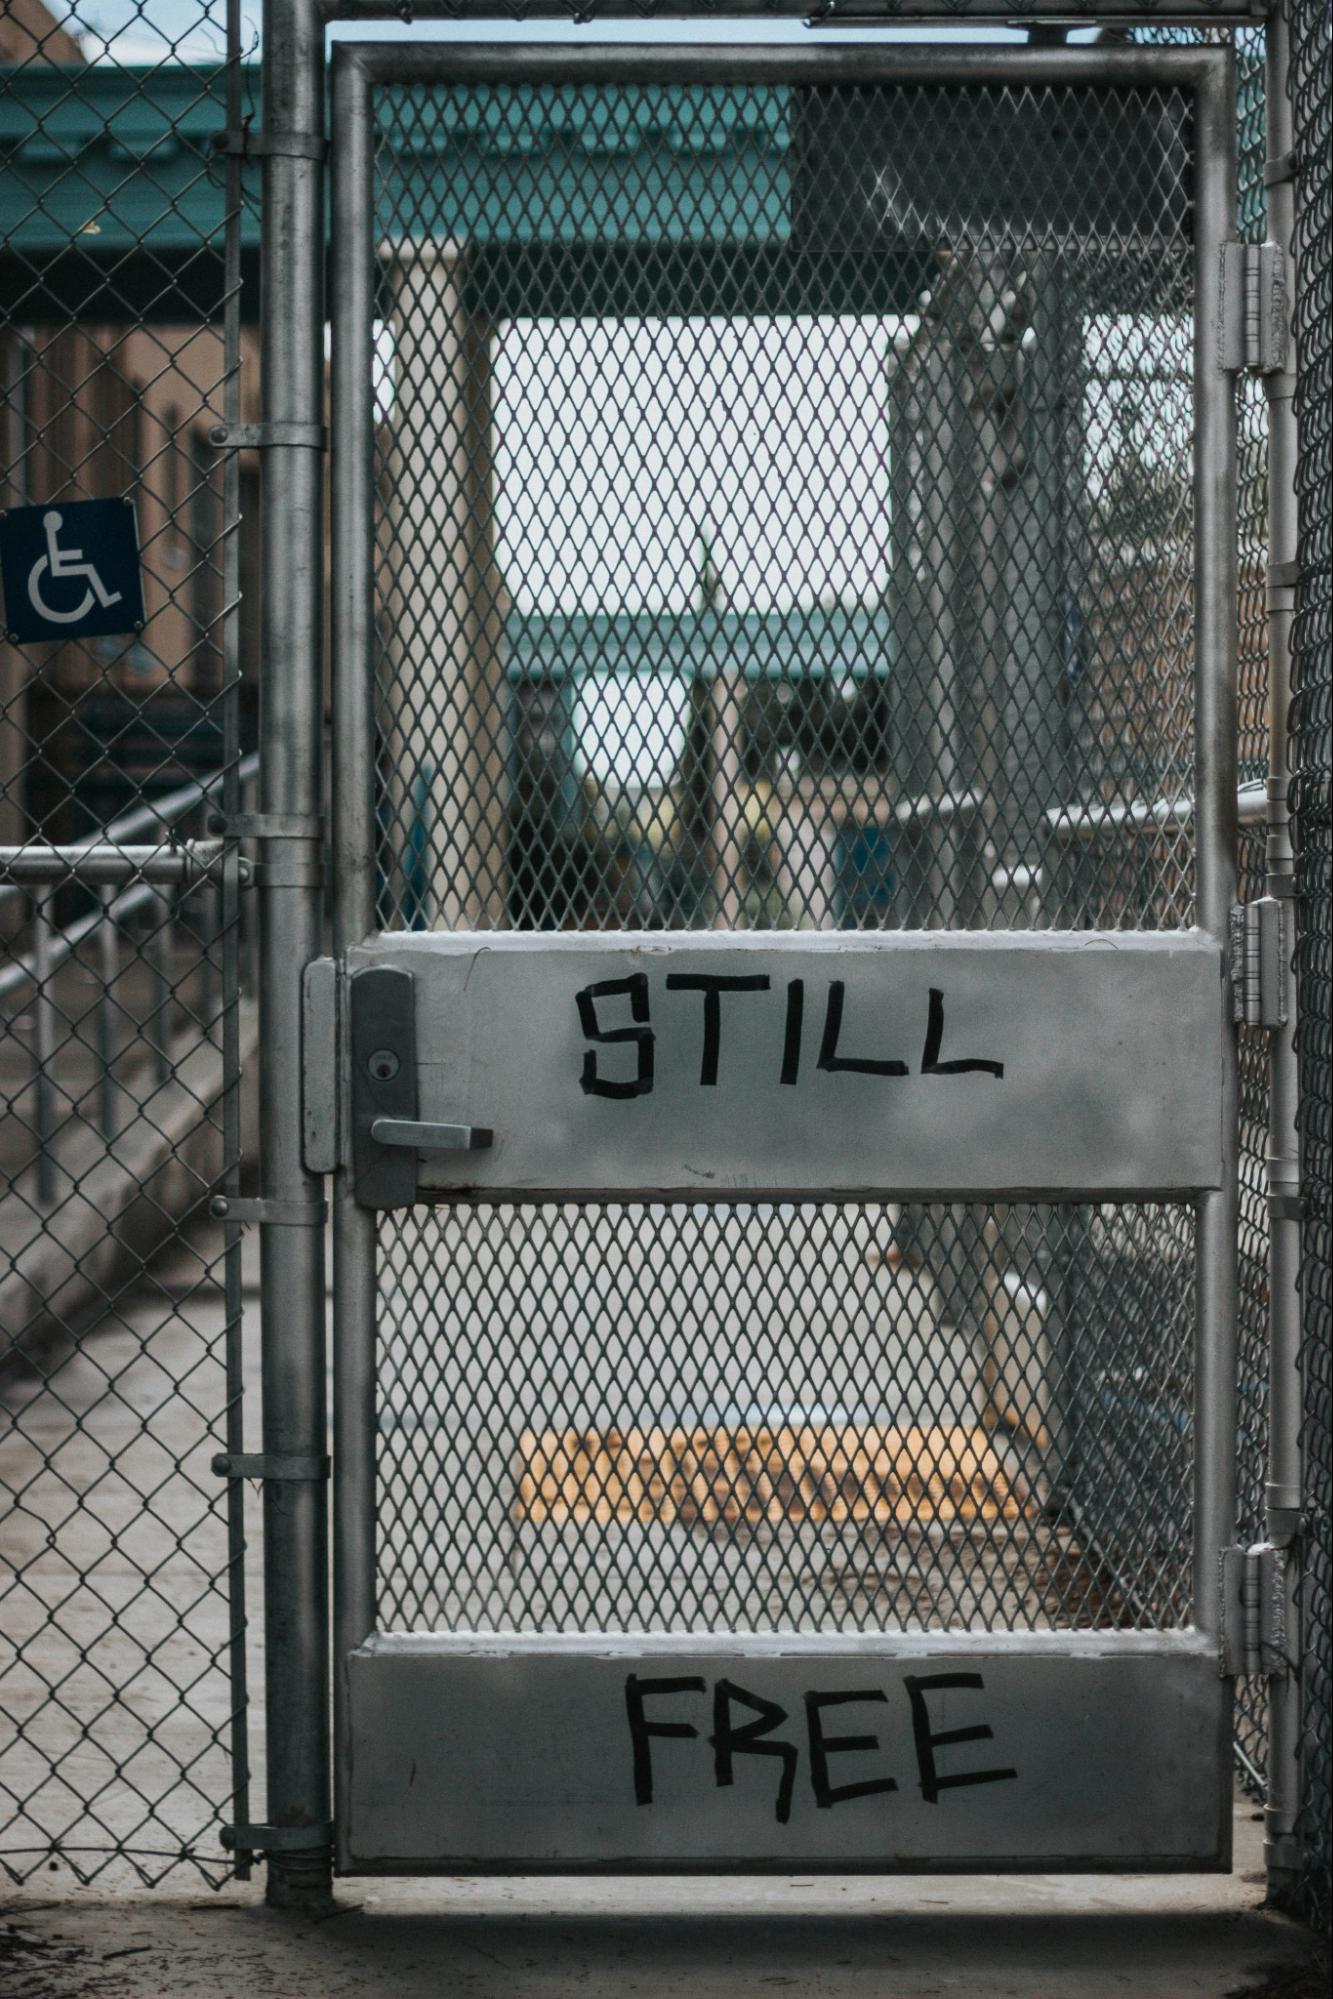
1207 72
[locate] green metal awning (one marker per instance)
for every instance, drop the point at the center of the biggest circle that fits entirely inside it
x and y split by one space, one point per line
112 199
835 642
112 202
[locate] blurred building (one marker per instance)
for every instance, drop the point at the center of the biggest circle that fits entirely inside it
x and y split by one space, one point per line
29 30
670 766
112 373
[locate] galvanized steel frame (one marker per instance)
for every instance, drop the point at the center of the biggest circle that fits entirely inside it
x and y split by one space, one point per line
291 929
831 14
1284 1490
357 69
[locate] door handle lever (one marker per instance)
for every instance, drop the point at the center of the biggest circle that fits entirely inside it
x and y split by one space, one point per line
419 1137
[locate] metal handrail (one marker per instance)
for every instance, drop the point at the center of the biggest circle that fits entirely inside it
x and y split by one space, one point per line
157 876
60 943
144 818
185 862
1083 822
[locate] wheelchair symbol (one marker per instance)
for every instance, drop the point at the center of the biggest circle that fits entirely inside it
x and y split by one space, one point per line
61 565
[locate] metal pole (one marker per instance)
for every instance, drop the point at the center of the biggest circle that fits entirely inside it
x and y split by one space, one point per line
291 909
1215 827
1283 1495
353 845
43 1048
107 940
161 942
97 861
927 417
249 937
230 916
725 792
208 904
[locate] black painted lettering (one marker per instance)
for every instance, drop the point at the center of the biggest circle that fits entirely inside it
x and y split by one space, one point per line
712 985
928 1740
829 1057
749 1739
642 1731
931 1064
791 1040
823 1746
635 988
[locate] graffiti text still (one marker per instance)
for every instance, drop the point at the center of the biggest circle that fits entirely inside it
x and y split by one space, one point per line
726 1005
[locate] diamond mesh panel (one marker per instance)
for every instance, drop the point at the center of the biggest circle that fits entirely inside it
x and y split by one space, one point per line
1311 756
1252 754
121 1671
771 535
760 1418
663 638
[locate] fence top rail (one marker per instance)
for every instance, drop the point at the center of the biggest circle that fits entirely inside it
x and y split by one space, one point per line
855 14
1194 65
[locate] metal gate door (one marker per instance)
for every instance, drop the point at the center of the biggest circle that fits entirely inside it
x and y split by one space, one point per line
784 809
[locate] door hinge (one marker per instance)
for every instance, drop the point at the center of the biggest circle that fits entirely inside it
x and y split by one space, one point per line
1258 963
1254 316
1258 1611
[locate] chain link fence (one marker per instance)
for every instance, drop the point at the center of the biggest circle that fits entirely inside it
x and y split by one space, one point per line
125 335
123 1027
1311 755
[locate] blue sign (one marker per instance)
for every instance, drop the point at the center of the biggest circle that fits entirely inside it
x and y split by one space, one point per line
71 570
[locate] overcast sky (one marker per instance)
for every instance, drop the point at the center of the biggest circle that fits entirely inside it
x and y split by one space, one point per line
765 436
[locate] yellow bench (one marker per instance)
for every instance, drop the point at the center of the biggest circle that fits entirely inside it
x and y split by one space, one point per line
813 1472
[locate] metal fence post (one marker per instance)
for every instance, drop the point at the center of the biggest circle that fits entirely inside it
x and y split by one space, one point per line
291 905
43 1046
160 953
1284 1492
352 616
108 940
1215 826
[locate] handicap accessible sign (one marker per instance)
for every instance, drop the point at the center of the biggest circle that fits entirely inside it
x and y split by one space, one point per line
71 570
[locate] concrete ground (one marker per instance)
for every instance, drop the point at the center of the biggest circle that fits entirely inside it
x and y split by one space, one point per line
1041 1937
1045 1937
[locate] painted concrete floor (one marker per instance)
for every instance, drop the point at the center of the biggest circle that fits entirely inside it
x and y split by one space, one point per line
929 1937
932 1937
